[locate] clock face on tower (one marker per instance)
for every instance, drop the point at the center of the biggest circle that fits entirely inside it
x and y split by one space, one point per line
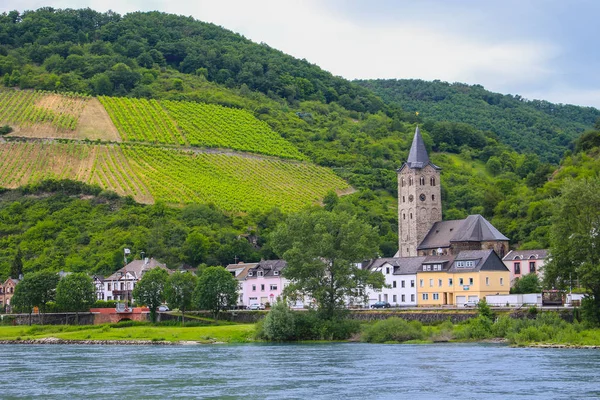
411 198
422 197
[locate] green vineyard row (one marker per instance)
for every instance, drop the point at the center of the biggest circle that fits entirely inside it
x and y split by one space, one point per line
231 182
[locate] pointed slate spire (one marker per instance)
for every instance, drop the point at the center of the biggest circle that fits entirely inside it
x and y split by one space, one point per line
417 158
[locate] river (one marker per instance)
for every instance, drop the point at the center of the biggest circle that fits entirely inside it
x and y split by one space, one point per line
299 371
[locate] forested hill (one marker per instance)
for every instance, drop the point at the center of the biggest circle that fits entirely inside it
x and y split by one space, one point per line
79 49
534 126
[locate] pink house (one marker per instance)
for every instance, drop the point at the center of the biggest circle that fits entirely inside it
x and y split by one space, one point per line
263 283
524 262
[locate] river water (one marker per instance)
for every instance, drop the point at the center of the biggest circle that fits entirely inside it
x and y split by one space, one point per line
298 371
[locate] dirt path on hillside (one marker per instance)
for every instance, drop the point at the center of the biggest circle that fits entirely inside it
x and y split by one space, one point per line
94 123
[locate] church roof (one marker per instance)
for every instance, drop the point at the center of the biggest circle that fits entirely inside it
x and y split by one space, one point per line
418 157
474 228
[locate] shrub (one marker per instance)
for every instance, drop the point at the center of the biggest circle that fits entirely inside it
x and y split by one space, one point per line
5 130
279 325
338 329
104 304
393 330
476 328
484 309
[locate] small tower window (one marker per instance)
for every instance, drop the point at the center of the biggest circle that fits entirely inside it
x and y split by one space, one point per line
402 182
410 181
404 199
432 181
410 215
403 216
433 197
422 181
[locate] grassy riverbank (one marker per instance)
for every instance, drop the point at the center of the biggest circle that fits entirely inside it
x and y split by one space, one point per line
241 333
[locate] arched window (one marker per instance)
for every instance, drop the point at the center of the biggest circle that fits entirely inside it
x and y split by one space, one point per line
402 182
403 216
433 197
410 181
404 199
422 181
432 181
410 215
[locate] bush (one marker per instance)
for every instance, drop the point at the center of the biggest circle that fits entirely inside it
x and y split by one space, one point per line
104 304
393 330
5 130
280 324
476 328
484 309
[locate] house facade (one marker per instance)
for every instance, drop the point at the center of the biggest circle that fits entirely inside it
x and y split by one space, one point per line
240 272
120 285
263 283
524 262
7 291
400 278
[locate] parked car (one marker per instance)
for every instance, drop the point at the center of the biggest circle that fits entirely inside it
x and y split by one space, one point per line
163 308
470 303
381 304
256 306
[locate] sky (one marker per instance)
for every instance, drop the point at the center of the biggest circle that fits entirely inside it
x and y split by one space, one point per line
539 49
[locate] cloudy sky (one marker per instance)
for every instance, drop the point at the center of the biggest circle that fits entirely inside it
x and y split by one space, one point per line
540 49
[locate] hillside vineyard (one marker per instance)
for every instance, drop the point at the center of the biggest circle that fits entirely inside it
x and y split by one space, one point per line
146 166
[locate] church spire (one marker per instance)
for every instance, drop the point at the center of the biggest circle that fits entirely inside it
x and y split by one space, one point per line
417 158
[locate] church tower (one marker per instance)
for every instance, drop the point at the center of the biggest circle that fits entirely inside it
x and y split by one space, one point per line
419 198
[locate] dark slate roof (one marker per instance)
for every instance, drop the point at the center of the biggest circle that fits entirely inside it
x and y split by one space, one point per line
418 157
268 267
441 234
526 254
137 269
401 265
485 260
475 228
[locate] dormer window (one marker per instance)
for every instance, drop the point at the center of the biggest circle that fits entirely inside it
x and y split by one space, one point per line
276 273
260 273
250 273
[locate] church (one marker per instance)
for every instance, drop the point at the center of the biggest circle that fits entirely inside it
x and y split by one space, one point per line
439 263
421 231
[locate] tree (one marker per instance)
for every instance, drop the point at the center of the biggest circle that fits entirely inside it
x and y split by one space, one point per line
321 249
575 241
180 291
529 283
217 290
43 285
75 292
23 299
150 290
16 266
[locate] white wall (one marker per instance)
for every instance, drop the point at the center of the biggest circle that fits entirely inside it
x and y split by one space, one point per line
387 294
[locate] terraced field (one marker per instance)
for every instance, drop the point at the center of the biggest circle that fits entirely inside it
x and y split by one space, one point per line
232 182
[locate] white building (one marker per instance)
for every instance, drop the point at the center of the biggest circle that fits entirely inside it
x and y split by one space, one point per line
400 277
119 285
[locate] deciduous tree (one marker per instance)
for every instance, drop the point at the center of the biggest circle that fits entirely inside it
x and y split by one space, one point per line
217 290
75 292
150 290
180 291
322 250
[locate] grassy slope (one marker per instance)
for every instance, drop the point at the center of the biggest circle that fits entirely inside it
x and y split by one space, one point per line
207 334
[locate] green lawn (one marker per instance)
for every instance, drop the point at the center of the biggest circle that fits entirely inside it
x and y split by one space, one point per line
205 334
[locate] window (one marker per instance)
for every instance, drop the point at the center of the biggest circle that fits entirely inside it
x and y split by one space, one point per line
410 215
501 281
253 298
432 181
461 281
122 286
433 197
403 297
410 181
404 199
460 264
431 283
262 287
422 181
394 298
470 281
420 282
394 284
108 297
425 296
450 282
387 270
412 297
404 217
385 297
402 182
412 283
402 284
517 268
439 282
276 273
108 286
254 288
260 273
250 273
532 266
469 264
273 287
436 296
487 281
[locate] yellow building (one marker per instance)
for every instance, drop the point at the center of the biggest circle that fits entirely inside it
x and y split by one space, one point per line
462 279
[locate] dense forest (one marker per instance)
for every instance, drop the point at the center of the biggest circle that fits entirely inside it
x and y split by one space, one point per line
335 123
535 126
